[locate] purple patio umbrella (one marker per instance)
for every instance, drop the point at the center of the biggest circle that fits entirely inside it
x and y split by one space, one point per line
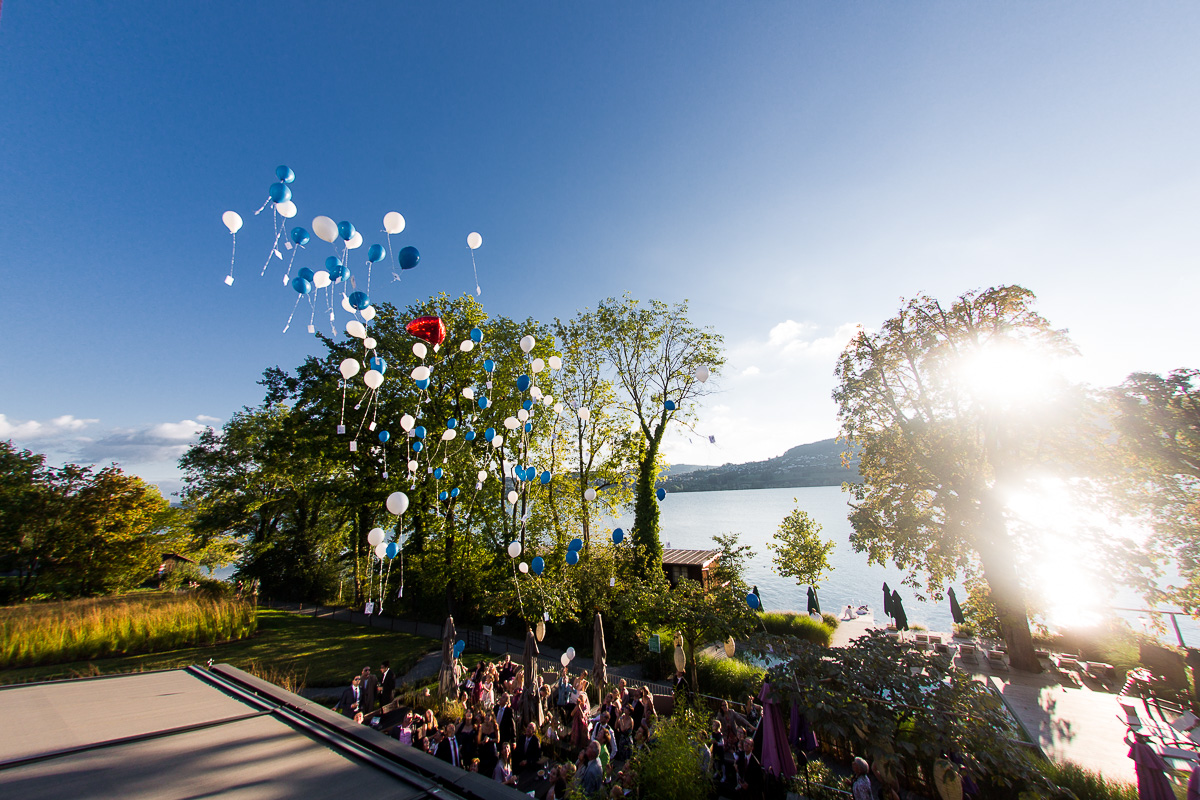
776 755
800 733
1193 787
1151 773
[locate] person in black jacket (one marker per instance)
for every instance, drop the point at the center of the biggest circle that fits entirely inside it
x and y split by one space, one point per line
749 773
506 719
529 750
448 749
369 689
350 702
387 684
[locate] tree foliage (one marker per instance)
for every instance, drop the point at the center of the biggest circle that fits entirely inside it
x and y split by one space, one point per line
798 551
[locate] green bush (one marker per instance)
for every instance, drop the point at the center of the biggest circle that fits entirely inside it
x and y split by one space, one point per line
672 767
1087 785
831 621
789 623
729 678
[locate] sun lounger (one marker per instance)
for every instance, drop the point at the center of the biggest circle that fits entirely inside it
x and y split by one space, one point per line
968 652
935 638
996 659
921 638
943 649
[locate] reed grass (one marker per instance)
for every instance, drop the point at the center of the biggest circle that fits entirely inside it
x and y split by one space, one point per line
730 678
790 623
76 630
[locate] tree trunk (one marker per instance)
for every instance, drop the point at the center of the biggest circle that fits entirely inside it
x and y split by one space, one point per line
1007 594
647 547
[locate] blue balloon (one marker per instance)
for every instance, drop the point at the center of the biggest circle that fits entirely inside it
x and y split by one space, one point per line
279 193
392 550
378 364
476 335
301 285
661 494
523 383
618 535
452 423
346 230
537 565
408 257
518 473
528 427
489 365
546 476
576 544
306 273
299 235
459 646
438 473
469 436
359 300
376 253
530 473
333 263
419 432
384 436
343 274
489 434
670 404
443 495
572 557
422 384
527 405
484 403
284 173
454 492
417 447
752 600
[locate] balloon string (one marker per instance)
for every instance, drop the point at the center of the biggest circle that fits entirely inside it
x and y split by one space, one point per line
312 317
231 257
478 291
369 265
370 400
342 421
273 251
288 273
260 208
289 322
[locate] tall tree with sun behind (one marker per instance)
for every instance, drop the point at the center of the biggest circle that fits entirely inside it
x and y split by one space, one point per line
955 409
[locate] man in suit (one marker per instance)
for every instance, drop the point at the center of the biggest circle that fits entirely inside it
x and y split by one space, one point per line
447 749
387 684
749 773
370 688
529 750
506 719
351 702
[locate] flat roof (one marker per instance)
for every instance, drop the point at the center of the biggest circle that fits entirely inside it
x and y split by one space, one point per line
699 558
197 733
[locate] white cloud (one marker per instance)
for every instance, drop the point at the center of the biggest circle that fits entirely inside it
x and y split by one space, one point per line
206 418
750 371
165 441
31 430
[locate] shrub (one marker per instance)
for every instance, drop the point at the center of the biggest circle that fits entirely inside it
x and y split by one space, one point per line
730 678
802 626
672 767
831 621
1088 785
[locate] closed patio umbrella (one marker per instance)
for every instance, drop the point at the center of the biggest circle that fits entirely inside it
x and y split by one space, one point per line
898 612
448 672
1151 772
955 608
599 655
814 605
887 600
776 754
531 704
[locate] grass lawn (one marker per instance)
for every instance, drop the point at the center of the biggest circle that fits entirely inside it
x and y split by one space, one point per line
319 651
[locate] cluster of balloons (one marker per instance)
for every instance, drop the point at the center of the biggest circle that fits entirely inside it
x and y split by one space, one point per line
567 657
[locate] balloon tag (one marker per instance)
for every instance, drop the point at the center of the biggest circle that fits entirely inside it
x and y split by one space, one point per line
312 328
288 244
278 254
341 429
546 616
489 383
353 445
229 280
611 581
385 475
371 427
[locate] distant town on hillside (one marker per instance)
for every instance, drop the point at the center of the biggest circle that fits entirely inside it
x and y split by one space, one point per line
815 464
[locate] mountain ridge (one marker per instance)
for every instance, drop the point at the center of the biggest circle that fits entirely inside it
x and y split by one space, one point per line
812 464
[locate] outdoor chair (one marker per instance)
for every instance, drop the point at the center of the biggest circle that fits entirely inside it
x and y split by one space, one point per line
943 649
921 638
996 659
968 652
935 638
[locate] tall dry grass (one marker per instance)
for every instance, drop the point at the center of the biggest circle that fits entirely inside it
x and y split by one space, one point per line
75 630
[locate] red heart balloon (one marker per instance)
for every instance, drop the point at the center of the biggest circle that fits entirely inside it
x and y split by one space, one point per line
430 329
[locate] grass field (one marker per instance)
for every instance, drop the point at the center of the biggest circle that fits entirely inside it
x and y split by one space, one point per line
317 652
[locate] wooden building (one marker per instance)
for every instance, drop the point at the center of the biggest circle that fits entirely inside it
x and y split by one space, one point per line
694 565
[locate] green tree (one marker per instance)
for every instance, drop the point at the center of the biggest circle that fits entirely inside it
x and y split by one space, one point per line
654 351
1157 420
951 414
28 510
701 615
798 551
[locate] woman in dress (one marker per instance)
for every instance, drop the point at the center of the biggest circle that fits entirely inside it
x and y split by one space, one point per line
579 723
467 736
487 698
503 771
650 712
624 736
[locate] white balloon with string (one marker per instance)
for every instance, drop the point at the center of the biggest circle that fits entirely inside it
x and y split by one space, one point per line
233 221
393 222
474 240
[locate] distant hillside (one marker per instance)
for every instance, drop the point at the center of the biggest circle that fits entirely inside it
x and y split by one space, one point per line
681 469
816 464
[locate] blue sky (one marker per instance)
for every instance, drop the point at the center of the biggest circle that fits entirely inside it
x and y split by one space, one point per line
793 169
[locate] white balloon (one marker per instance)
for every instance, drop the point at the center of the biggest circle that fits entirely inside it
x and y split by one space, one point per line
373 378
527 343
702 373
514 550
412 465
535 393
420 373
511 423
564 660
368 313
466 346
381 551
369 343
548 400
449 434
481 475
321 279
558 408
232 220
346 304
571 653
419 350
512 498
584 414
589 494
355 241
469 393
522 415
537 366
407 422
397 503
555 362
325 229
349 368
393 222
523 567
375 536
356 329
497 441
474 240
286 209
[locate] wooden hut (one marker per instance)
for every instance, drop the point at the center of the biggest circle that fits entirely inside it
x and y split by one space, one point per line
694 565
